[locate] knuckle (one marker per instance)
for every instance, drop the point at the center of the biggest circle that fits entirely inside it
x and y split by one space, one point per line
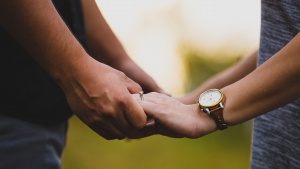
107 111
122 75
94 121
119 97
122 100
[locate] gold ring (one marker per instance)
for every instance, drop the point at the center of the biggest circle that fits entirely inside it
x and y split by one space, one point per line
141 93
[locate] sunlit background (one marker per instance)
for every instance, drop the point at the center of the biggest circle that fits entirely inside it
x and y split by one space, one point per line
180 43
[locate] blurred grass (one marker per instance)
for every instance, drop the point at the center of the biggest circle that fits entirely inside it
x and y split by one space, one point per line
229 149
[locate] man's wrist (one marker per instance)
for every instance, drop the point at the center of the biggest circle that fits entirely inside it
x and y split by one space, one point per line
71 67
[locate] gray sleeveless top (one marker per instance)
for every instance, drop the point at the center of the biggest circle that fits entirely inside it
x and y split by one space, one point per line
276 135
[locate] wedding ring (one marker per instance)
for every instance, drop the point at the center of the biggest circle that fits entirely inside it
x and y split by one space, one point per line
141 93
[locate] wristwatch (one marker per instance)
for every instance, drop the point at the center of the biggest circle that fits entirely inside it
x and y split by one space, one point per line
212 102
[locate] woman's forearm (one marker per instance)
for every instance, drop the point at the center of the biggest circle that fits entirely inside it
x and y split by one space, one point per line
273 84
227 77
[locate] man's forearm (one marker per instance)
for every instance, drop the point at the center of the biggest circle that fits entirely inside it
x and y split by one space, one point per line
102 43
104 46
37 26
273 84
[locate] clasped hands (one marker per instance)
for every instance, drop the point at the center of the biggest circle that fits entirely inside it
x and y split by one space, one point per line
169 117
102 98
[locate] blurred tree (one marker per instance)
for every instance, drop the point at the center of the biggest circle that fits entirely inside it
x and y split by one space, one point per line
200 64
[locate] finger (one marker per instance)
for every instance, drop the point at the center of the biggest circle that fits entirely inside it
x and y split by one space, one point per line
139 98
150 109
164 123
161 115
136 96
127 128
154 97
132 86
108 130
134 113
149 85
145 132
123 124
150 122
111 133
104 134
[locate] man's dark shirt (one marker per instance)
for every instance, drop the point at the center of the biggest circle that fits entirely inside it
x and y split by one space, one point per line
26 91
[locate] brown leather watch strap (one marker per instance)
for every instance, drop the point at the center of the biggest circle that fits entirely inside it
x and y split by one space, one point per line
217 115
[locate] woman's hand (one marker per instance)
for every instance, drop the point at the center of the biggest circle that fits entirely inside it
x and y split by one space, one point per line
174 119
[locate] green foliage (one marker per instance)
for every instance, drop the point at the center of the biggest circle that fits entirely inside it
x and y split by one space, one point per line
200 65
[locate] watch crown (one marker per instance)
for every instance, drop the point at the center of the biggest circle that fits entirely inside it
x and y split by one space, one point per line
221 105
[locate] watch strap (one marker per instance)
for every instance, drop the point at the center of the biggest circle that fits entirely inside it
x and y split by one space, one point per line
217 115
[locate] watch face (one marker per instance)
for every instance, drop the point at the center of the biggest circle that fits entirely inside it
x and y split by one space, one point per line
210 98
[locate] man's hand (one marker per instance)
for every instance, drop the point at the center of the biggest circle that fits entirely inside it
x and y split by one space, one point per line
173 118
101 97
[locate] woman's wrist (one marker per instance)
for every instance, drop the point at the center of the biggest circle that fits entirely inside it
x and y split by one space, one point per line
233 107
206 121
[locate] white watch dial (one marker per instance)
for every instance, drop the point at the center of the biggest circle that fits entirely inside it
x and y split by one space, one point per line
210 98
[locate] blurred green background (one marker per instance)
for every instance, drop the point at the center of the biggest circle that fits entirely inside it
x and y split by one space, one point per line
229 149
